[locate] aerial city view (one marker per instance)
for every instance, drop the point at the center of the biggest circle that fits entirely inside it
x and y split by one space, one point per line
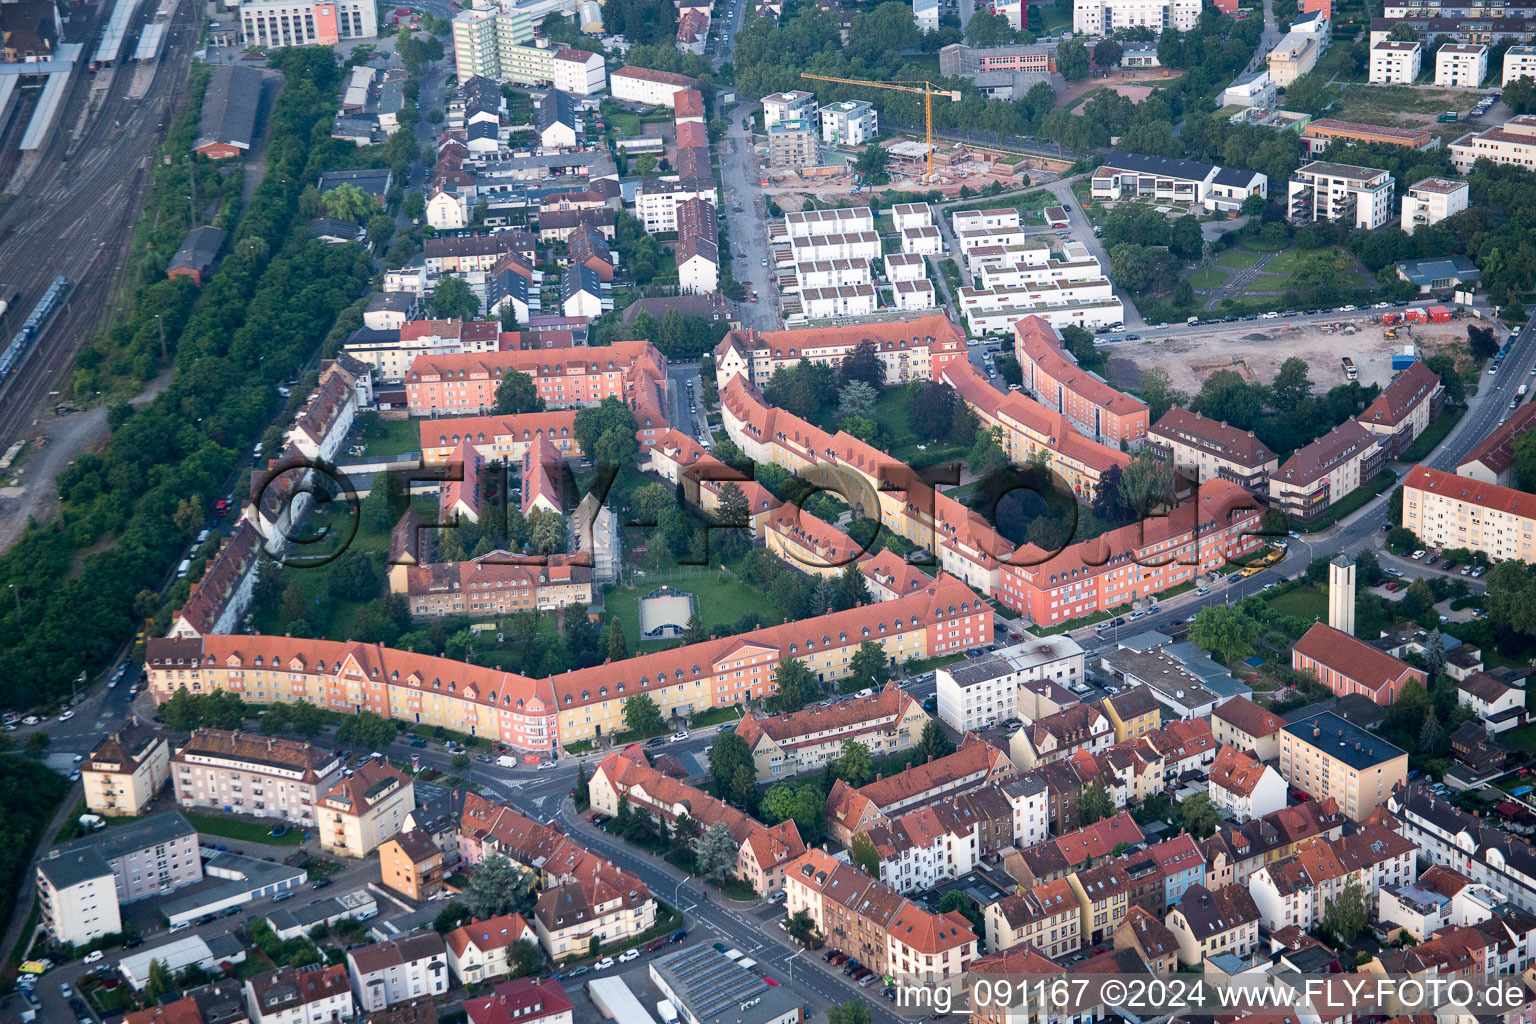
767 511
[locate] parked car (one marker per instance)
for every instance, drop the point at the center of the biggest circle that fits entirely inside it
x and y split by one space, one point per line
578 971
93 956
603 964
628 955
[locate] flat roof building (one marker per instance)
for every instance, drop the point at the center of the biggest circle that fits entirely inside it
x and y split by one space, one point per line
707 987
1327 757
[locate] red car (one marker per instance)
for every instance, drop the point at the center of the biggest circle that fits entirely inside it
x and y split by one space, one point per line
655 945
769 981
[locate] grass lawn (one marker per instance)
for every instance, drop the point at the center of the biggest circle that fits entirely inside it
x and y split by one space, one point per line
244 831
1054 20
1431 437
1237 259
715 716
1304 602
891 413
720 601
393 437
1207 277
1268 283
1371 103
1524 738
331 617
1257 245
1286 261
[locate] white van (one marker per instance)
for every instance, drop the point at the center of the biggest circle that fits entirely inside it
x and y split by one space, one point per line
184 568
202 538
506 761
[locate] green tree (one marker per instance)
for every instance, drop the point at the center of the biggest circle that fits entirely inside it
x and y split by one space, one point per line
348 202
460 762
546 531
855 766
607 433
1146 485
37 744
159 982
1346 916
517 393
497 886
1094 804
857 398
525 958
189 515
714 853
729 752
1225 630
868 668
1107 53
956 901
933 743
1199 816
642 717
453 300
1072 60
582 791
1158 392
988 29
865 857
800 925
385 502
182 713
852 1012
614 641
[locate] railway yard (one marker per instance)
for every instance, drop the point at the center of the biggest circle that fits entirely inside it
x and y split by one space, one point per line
68 208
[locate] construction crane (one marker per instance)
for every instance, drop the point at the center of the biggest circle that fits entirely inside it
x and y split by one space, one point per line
927 91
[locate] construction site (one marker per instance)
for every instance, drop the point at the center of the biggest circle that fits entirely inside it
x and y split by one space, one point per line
1256 352
955 166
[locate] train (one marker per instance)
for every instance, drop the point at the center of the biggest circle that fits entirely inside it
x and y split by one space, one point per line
11 359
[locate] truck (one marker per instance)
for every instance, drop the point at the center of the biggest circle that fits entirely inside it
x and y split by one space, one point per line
1349 368
506 761
1448 117
1388 319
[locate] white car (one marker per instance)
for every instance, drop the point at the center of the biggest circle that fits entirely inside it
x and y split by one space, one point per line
1381 305
1117 329
628 955
93 956
603 964
1271 315
66 716
545 766
678 737
1348 309
1418 555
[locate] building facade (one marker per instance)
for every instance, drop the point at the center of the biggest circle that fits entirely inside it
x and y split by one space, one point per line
126 770
1451 511
1431 201
364 809
1340 193
1329 758
260 775
275 23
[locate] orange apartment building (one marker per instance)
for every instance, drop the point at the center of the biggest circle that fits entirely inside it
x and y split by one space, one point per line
465 384
1092 406
1320 133
909 350
1133 562
501 439
541 714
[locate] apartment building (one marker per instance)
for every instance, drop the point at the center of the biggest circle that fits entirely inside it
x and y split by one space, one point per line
1329 758
792 143
977 694
1346 664
537 714
390 353
264 776
1519 62
1513 142
808 740
1431 201
413 966
1086 304
294 995
1449 837
1236 851
484 42
1165 179
923 848
1461 65
1295 892
1395 61
1493 461
503 439
974 764
793 105
865 919
1446 510
764 850
849 123
364 809
1053 378
1340 193
657 201
412 864
149 857
126 770
649 88
908 351
1293 56
1100 18
1207 922
1322 132
1058 736
1323 472
499 582
77 896
1202 450
610 907
1134 561
1404 409
1047 918
275 23
479 951
565 377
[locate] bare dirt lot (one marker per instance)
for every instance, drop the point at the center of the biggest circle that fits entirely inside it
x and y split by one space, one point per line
1256 351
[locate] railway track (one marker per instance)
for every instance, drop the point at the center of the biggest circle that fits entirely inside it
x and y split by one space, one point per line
75 216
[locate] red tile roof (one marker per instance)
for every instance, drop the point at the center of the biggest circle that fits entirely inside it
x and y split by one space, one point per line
1219 439
1497 450
1353 658
1460 488
1248 718
1036 340
1397 401
1236 772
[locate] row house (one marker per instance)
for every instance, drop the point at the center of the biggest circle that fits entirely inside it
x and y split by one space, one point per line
1133 712
975 763
497 582
1103 897
521 1001
944 840
1243 725
763 851
802 741
1082 727
466 383
293 995
1243 788
859 916
1450 837
1046 918
1325 471
1207 922
1202 449
1235 852
540 714
809 544
1297 890
1182 864
1154 940
411 863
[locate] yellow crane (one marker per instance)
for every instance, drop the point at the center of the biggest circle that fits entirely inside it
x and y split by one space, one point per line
927 91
